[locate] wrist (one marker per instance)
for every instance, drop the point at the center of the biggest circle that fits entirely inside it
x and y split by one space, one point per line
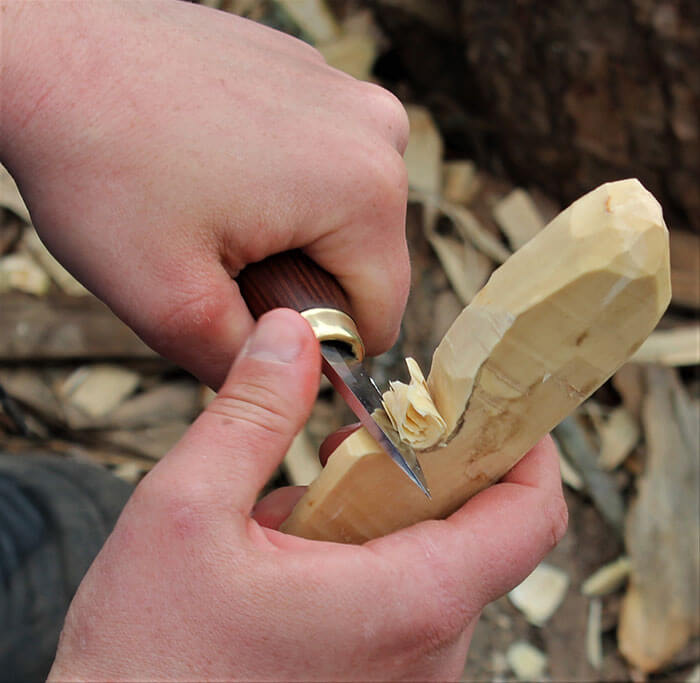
16 80
42 42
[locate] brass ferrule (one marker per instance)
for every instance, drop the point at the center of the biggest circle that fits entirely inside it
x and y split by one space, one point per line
330 324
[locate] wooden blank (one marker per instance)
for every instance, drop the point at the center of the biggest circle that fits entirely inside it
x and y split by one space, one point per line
549 327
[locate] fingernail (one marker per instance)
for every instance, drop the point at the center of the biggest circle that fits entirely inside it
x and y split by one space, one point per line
274 339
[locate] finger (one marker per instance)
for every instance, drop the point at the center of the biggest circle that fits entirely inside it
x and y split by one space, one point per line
332 441
200 326
374 271
493 542
238 441
277 505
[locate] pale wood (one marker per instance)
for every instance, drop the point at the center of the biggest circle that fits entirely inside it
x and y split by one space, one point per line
10 198
31 242
57 326
459 181
301 463
518 217
659 612
548 328
677 347
22 273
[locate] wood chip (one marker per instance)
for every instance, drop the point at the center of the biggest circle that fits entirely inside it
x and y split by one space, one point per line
29 387
619 434
130 472
526 661
466 268
33 244
99 455
446 307
660 609
423 155
629 383
460 181
355 49
518 217
10 231
151 442
61 327
685 268
574 441
471 229
353 54
10 198
541 593
175 400
569 474
313 17
301 464
607 579
694 676
20 272
96 390
677 347
594 640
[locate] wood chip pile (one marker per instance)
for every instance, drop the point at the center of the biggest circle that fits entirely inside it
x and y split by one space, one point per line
617 600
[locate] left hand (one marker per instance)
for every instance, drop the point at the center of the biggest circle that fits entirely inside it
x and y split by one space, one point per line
162 146
189 586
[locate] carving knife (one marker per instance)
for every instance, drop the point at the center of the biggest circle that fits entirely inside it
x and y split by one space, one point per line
293 280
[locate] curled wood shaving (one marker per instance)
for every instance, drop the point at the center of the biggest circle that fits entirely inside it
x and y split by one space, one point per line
411 410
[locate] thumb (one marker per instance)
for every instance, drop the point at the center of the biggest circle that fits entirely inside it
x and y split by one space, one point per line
244 433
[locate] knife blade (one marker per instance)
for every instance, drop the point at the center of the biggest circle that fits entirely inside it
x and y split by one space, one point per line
350 379
293 280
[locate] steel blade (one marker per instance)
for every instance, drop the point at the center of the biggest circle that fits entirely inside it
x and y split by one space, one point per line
350 379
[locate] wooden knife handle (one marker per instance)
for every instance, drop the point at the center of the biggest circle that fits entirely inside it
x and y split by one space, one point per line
290 280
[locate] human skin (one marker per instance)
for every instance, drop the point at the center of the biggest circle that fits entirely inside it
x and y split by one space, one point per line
162 146
195 583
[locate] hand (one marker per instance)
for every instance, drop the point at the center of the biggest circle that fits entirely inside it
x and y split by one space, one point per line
162 146
190 587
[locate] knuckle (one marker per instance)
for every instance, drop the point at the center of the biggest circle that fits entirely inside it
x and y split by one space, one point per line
196 314
304 49
387 110
255 407
182 506
385 181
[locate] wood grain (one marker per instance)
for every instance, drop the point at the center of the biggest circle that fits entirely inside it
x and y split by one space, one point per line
289 280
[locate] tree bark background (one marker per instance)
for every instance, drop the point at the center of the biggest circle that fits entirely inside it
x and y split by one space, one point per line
563 95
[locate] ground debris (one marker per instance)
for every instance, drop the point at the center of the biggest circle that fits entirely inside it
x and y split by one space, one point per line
607 579
594 642
527 662
660 609
541 593
32 244
96 390
675 347
518 217
576 445
618 434
22 273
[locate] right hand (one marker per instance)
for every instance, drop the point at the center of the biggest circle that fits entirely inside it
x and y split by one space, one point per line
162 146
192 586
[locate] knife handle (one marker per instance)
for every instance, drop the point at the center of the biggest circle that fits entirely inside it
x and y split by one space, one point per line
293 280
290 280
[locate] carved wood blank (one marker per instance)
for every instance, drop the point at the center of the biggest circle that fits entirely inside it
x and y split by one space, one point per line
549 327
